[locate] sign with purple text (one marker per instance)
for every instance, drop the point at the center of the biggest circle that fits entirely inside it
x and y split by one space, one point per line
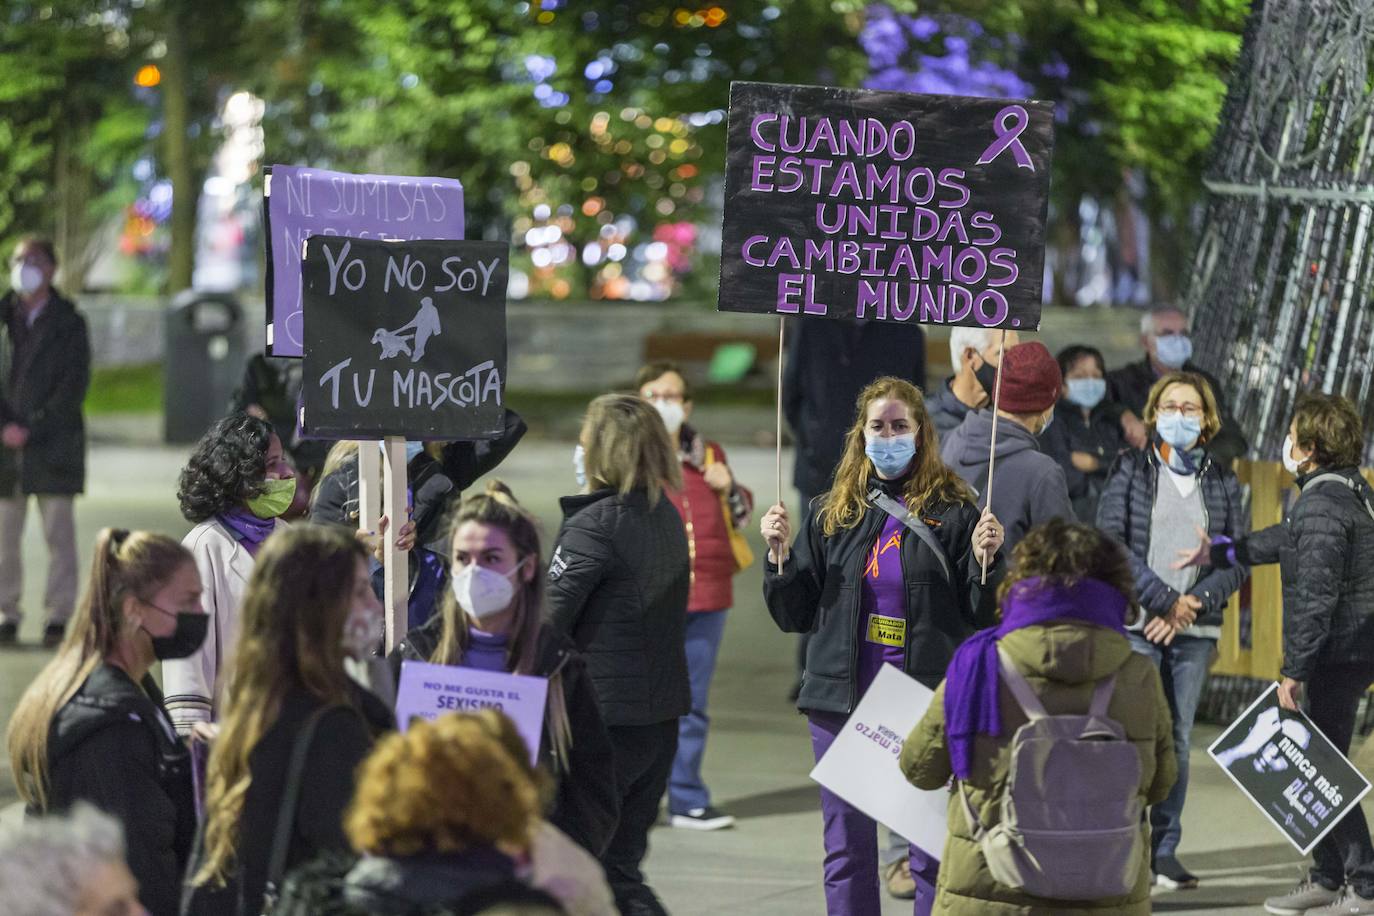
301 202
891 206
861 766
428 691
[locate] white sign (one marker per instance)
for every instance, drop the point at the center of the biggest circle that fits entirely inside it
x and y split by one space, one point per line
861 766
429 691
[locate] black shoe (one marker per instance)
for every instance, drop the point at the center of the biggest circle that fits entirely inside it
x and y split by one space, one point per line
1169 872
53 634
9 633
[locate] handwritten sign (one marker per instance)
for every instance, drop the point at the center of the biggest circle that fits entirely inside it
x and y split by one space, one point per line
861 765
889 206
1288 768
301 202
404 338
429 691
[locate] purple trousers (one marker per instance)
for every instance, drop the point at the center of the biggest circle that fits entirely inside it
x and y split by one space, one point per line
851 845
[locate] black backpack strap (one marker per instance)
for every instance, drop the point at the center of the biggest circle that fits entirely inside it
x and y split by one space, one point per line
1349 483
916 525
290 800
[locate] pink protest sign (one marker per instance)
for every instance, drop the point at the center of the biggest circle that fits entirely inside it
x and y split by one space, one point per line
429 691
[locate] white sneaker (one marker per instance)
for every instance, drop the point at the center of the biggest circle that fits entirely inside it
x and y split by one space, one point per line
1306 897
702 819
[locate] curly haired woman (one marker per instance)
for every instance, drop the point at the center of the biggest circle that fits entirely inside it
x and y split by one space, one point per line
235 485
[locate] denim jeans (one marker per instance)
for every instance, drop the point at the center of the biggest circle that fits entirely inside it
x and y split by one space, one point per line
851 845
686 790
1183 668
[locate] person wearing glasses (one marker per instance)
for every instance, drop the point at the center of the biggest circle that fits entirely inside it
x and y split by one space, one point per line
47 368
1156 501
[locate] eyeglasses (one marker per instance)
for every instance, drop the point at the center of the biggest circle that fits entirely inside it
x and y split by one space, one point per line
1188 410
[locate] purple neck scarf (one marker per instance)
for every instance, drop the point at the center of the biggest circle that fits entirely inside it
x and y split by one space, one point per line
971 683
247 528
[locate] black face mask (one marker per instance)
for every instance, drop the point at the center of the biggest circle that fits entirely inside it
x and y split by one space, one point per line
188 636
987 377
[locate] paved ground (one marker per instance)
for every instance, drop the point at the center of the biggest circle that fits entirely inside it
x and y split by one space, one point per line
759 755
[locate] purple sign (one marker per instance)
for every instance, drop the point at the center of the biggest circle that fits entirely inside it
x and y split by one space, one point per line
887 206
301 202
430 691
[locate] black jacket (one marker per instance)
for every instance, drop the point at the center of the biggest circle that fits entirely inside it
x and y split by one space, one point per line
1325 551
586 807
113 745
819 592
43 384
436 486
1098 434
828 364
342 739
1124 513
1130 387
468 882
618 585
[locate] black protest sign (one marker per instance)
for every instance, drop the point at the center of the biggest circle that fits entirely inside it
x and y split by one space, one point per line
1289 769
892 206
404 338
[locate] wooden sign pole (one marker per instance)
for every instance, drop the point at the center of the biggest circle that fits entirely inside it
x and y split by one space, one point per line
369 486
396 594
992 449
782 331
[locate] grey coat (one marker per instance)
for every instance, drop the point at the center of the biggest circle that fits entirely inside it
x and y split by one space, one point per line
1029 487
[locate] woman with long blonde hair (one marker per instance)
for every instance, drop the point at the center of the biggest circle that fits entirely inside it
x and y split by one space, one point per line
618 585
309 604
886 569
492 618
92 726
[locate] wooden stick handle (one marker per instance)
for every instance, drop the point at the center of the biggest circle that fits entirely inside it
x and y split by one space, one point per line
782 331
992 448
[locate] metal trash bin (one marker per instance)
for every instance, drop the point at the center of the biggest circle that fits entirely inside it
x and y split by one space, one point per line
203 362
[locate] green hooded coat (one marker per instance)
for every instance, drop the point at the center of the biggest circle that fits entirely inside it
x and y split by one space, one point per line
1062 661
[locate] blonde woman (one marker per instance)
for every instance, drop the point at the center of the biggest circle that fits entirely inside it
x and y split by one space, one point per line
885 570
308 605
1154 504
618 585
92 727
492 618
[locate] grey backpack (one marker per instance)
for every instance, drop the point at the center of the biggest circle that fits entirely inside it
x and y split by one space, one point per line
1070 826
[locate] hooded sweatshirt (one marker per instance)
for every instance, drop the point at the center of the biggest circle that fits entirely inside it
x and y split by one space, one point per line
1029 488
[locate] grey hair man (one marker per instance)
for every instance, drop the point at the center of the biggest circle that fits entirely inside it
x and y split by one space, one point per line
973 354
71 865
1168 347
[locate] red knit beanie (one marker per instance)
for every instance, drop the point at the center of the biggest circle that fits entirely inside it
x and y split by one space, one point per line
1030 379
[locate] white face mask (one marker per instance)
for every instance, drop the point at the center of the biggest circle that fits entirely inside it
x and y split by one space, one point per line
26 278
483 592
672 412
1290 463
363 630
580 465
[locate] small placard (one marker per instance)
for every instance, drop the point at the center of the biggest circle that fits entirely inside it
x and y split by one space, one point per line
429 691
1289 769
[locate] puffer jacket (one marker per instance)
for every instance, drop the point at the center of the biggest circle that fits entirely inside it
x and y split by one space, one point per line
1063 662
1124 513
820 586
1325 549
618 585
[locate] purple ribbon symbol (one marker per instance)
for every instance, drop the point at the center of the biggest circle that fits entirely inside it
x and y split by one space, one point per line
1010 121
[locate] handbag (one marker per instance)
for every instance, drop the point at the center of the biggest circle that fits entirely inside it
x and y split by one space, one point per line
744 555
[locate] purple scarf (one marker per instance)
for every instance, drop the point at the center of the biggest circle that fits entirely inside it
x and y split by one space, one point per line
971 683
247 528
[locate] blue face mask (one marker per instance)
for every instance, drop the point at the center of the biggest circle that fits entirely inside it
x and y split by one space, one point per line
413 449
1087 392
1179 431
1174 350
891 456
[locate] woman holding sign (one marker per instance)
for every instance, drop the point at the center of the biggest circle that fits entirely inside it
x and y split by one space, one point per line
886 569
297 726
493 619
